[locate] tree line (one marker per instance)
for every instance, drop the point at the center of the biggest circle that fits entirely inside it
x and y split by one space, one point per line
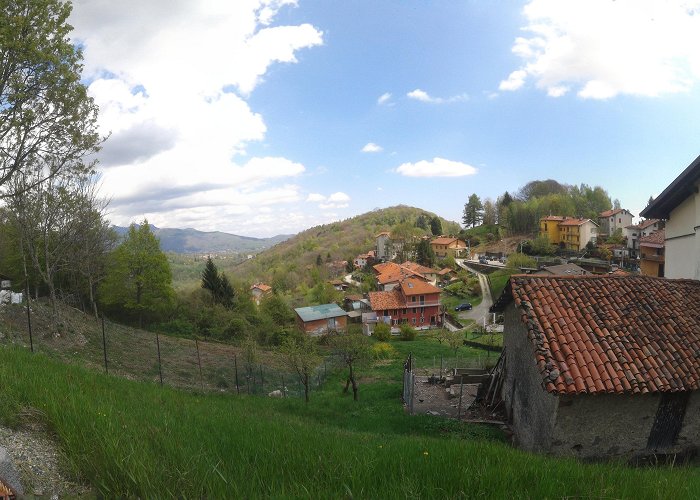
520 213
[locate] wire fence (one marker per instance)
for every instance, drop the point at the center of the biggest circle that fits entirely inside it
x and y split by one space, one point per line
194 364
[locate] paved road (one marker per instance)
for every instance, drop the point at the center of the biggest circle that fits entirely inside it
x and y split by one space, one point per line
478 313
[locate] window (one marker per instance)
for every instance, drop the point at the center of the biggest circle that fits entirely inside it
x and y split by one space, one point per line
422 319
413 299
414 321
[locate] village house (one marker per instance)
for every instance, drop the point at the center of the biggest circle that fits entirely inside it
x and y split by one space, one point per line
384 250
317 320
414 302
445 246
634 232
338 285
363 259
652 258
427 273
602 366
612 220
568 232
389 275
562 270
259 290
679 205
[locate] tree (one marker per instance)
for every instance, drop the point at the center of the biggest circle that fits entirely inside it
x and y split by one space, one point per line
536 189
217 284
425 255
455 340
473 211
299 354
46 116
422 222
138 279
353 349
490 212
436 226
519 260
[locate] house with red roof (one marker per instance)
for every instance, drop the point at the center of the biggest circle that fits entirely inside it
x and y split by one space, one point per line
259 290
635 232
444 246
413 301
652 257
601 366
612 220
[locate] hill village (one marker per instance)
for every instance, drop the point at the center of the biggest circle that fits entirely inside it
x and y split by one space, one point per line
585 338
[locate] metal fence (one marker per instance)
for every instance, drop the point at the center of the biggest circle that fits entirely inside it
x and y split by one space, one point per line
173 361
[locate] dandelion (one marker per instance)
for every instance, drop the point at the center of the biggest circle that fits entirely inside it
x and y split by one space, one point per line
425 453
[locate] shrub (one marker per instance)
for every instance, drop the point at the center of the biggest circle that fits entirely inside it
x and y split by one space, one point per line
383 350
382 332
408 332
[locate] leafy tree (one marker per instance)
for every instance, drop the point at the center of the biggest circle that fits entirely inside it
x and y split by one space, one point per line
277 310
46 116
138 279
299 354
536 189
519 260
541 246
319 260
650 201
436 226
425 255
353 349
473 211
422 222
455 340
490 212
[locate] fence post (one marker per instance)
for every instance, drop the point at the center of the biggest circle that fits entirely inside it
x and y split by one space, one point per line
29 317
461 390
199 362
235 365
160 369
104 344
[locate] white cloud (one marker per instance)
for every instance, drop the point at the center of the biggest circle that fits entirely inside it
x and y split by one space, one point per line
384 98
438 167
423 96
315 197
602 48
172 80
371 147
335 200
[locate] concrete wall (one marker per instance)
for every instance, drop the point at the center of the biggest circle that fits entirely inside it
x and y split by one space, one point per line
531 410
682 242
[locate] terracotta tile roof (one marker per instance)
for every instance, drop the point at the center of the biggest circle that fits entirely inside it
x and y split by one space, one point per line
444 240
610 213
647 223
386 267
619 272
445 271
657 238
262 287
381 301
417 268
555 218
413 286
598 334
575 222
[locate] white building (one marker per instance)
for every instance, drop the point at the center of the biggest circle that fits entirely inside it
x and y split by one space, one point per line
679 205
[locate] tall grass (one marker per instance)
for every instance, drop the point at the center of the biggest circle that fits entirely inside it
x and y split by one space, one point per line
134 439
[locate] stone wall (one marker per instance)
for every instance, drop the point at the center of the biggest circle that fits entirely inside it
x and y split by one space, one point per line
531 410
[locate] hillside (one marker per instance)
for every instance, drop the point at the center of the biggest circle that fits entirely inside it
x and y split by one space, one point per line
193 241
286 264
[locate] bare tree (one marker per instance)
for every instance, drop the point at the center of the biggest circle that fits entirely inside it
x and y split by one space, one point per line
300 355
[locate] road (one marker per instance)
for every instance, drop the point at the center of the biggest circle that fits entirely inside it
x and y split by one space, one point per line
480 312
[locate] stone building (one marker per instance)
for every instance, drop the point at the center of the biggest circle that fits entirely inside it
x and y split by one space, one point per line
602 366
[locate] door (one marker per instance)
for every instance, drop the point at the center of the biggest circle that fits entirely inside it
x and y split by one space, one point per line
669 420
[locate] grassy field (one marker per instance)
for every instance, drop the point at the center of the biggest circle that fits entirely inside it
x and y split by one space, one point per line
140 440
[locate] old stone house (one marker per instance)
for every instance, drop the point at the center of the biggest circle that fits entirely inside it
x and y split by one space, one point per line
602 366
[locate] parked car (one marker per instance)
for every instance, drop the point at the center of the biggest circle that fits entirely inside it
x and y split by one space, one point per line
482 260
464 307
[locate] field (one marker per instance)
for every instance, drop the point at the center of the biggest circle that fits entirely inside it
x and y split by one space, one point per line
137 439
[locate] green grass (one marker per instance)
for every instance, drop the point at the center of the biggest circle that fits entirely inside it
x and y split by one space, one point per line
499 279
140 440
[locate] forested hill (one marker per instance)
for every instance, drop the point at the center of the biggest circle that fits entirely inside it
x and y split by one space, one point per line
194 241
287 264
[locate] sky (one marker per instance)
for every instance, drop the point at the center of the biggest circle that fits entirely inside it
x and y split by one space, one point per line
265 117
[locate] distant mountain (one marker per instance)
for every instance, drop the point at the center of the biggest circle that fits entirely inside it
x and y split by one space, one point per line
194 241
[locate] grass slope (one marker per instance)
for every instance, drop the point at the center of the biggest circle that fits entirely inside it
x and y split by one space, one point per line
139 440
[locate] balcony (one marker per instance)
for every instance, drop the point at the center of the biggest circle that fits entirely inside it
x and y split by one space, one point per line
654 258
422 304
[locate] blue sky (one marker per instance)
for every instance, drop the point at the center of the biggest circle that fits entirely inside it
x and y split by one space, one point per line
271 116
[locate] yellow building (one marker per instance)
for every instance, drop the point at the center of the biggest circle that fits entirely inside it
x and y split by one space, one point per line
568 232
549 228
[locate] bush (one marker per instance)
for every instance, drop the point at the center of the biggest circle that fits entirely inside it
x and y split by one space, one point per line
408 332
382 332
383 350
